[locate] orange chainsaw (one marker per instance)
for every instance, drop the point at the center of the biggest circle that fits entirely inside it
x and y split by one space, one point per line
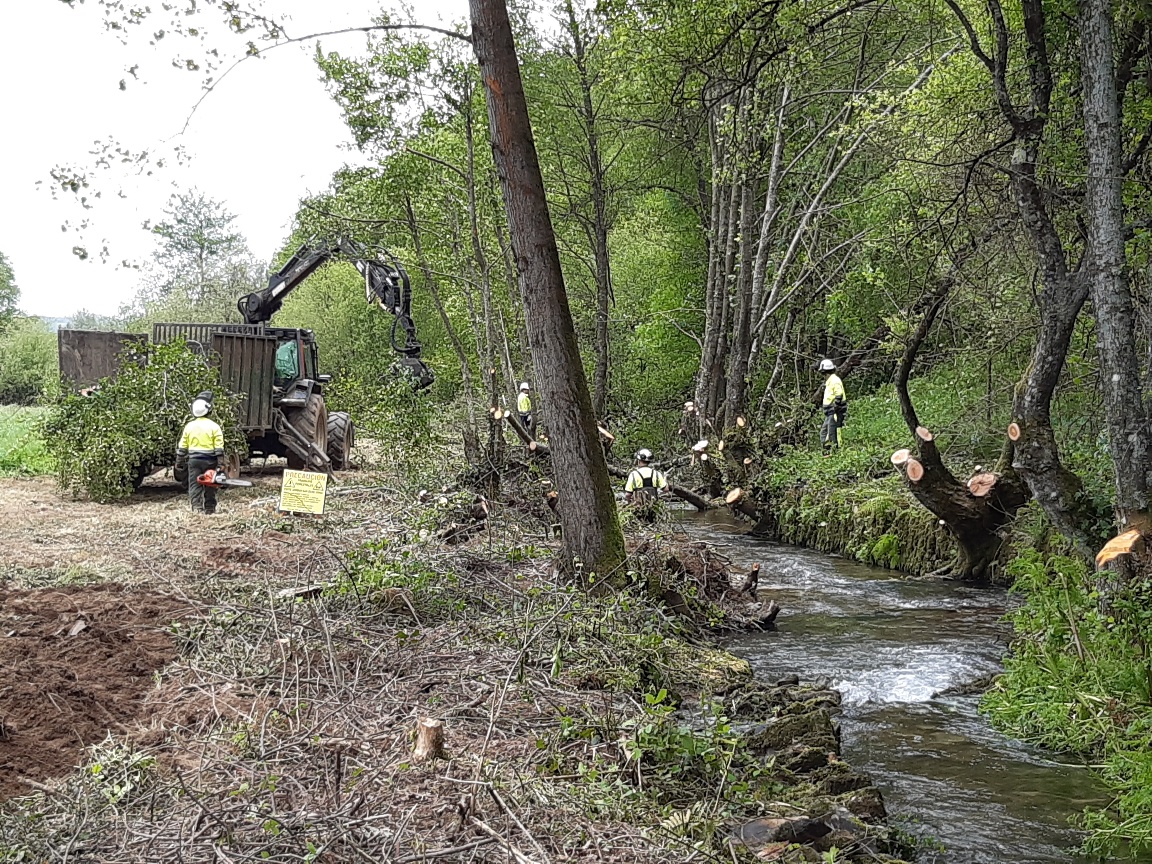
220 480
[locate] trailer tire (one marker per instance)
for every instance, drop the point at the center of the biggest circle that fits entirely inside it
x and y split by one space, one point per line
341 437
312 422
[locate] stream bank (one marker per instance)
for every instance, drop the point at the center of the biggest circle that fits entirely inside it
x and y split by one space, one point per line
896 648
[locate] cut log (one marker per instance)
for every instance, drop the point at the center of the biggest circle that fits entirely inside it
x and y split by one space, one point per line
741 502
901 456
766 619
605 435
914 469
429 740
1128 543
981 484
747 460
741 422
923 434
703 457
700 446
479 510
552 497
720 446
1014 431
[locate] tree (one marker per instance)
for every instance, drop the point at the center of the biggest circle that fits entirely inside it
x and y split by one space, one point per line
9 293
1128 432
200 267
587 505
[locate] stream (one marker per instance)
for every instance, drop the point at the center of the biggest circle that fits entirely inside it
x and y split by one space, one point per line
889 644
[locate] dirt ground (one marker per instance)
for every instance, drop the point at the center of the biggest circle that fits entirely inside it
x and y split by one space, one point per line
77 661
88 590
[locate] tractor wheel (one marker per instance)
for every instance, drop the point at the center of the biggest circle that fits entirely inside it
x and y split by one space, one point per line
341 437
312 422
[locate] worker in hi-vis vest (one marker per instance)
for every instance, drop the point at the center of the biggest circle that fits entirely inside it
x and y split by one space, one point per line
835 406
524 409
644 484
201 448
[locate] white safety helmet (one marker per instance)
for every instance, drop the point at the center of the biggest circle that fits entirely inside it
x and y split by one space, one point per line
827 365
200 408
643 455
523 385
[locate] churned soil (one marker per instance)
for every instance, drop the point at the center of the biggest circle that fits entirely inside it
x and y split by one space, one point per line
75 663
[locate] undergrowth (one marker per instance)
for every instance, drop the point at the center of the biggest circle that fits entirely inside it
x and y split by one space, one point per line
1079 680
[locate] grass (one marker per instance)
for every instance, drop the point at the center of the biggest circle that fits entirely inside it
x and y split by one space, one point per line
22 451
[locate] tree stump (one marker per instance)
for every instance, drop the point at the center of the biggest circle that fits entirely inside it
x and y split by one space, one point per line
429 740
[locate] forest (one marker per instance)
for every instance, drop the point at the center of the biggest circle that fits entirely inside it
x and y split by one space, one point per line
947 199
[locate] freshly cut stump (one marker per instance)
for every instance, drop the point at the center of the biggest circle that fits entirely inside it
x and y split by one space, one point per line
429 740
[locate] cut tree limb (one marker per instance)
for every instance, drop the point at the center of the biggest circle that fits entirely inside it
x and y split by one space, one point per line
914 469
1128 543
741 502
1014 431
923 434
982 484
901 456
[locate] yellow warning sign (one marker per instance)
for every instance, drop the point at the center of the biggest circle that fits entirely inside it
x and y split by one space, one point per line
303 492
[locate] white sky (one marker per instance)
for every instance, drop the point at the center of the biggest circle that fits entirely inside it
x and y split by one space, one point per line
267 136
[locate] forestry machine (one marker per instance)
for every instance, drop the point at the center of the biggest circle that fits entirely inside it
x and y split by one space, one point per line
386 284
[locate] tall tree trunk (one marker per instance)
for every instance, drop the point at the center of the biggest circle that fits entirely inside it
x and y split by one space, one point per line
741 347
469 433
587 506
598 232
1107 269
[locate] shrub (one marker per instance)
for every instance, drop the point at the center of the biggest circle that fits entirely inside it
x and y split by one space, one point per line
103 444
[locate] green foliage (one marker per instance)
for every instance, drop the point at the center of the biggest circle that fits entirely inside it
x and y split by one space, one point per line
401 582
22 451
1079 680
28 369
9 293
101 443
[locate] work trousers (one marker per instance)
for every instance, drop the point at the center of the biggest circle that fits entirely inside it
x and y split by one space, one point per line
529 423
830 431
202 498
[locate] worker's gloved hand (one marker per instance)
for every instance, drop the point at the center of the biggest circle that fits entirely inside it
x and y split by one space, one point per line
830 408
842 412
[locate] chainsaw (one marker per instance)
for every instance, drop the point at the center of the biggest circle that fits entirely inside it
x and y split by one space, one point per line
219 480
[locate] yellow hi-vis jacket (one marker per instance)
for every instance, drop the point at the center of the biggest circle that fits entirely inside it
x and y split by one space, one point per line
201 438
645 477
523 404
833 388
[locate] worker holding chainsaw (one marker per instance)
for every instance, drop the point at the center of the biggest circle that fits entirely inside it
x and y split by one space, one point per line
201 449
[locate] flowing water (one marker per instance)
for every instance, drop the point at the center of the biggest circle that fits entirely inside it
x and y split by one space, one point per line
890 645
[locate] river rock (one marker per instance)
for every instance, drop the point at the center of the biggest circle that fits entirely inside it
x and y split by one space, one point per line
867 804
837 778
761 832
800 758
813 729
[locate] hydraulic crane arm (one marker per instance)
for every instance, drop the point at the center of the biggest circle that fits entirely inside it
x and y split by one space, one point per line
386 284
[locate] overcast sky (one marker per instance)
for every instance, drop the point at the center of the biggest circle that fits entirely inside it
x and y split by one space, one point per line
266 137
